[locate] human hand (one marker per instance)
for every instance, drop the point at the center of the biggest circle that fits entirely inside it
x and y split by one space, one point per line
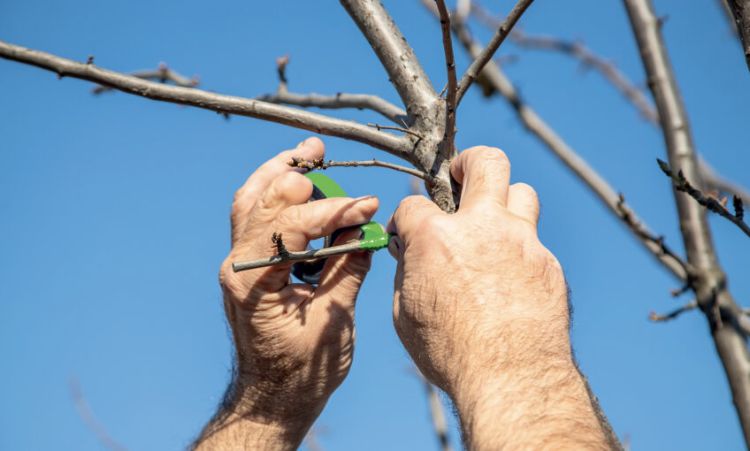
481 306
294 342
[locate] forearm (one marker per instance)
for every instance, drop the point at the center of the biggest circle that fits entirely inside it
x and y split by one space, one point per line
546 405
243 422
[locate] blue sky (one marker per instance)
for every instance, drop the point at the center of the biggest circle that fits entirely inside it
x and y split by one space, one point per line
114 215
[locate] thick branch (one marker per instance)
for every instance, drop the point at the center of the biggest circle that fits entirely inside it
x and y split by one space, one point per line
542 131
740 10
224 104
395 54
483 57
714 300
450 64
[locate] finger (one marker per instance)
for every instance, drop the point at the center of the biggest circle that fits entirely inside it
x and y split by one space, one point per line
410 215
302 223
484 173
306 222
248 194
523 202
343 275
287 190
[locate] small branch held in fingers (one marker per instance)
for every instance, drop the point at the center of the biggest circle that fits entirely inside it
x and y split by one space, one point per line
162 74
656 317
450 64
338 101
322 165
485 56
711 203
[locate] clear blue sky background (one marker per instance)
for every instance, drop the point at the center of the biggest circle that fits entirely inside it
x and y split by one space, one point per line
114 216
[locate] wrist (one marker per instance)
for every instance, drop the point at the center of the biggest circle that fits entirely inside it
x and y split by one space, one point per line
251 419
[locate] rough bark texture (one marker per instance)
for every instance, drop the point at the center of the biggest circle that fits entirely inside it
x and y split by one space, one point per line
741 12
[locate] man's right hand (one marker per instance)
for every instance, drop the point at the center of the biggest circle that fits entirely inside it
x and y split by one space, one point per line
481 306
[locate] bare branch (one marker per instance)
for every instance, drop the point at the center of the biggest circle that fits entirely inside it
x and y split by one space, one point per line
337 101
224 104
87 415
716 182
395 54
715 301
162 74
542 131
655 317
613 75
437 414
711 203
637 227
483 57
450 64
396 129
321 164
340 100
740 10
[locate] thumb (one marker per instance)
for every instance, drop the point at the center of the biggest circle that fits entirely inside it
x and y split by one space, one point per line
343 275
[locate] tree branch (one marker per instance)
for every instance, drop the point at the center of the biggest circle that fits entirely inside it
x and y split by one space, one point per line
715 301
395 54
483 57
321 164
224 104
450 64
337 101
740 10
88 417
542 131
711 203
162 74
615 77
655 317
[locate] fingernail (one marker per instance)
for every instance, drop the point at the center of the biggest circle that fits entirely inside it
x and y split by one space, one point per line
369 196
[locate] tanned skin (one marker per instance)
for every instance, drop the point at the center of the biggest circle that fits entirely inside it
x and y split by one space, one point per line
494 335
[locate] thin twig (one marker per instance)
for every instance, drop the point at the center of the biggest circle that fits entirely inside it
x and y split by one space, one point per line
162 74
439 423
284 256
740 11
583 54
635 224
322 165
656 317
379 127
340 100
87 415
483 57
215 102
717 182
450 64
541 130
711 203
